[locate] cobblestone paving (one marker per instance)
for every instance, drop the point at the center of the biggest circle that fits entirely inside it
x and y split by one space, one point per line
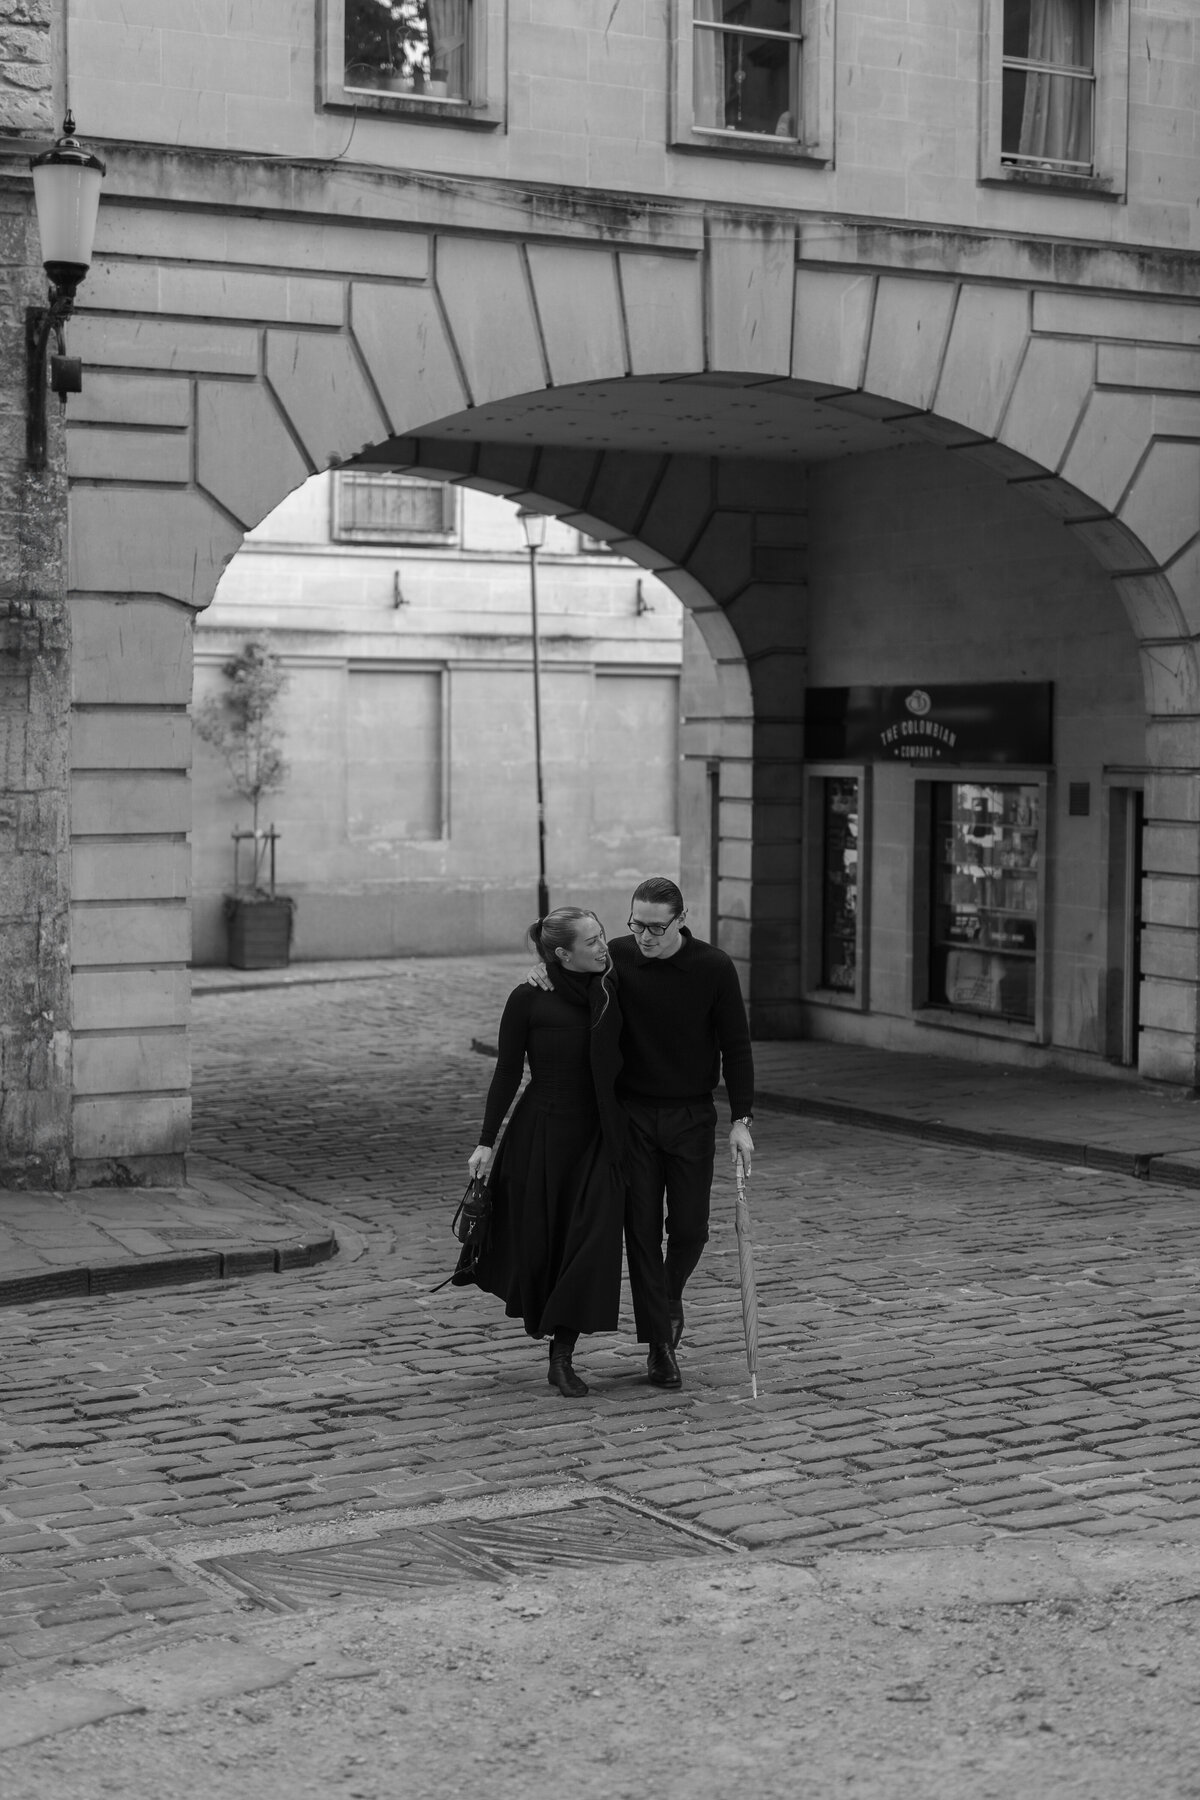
954 1346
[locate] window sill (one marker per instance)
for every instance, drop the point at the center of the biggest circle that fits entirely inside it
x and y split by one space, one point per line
414 109
976 1024
744 144
1093 187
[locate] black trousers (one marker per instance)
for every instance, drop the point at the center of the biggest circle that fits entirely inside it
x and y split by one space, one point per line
670 1156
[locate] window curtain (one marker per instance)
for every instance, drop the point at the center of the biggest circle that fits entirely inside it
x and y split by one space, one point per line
708 67
448 44
1057 120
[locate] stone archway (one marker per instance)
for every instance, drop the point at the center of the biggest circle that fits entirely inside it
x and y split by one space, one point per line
207 404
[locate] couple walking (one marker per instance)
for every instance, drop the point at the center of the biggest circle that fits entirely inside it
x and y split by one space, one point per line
625 1044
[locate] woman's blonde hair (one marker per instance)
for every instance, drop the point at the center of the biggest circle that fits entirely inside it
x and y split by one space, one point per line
557 931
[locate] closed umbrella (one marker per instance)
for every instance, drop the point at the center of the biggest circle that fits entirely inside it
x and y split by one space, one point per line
745 1242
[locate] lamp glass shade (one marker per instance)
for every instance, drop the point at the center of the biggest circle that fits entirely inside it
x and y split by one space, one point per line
535 527
67 196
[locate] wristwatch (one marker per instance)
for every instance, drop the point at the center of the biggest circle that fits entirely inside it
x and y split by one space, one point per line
747 1121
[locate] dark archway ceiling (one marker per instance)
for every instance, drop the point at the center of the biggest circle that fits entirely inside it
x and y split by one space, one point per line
697 415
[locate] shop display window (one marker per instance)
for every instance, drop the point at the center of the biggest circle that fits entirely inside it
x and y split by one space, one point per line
839 884
985 914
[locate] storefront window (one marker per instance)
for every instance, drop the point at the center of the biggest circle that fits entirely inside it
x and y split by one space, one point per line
839 885
985 911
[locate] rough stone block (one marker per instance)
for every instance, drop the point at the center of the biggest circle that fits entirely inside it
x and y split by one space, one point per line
479 283
579 310
664 313
424 383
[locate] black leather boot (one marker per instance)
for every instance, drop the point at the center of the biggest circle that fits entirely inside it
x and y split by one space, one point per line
661 1368
561 1375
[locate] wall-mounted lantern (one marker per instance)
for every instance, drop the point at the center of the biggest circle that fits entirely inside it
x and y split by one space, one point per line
66 193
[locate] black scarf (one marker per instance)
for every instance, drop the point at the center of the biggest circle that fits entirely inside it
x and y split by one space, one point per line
599 995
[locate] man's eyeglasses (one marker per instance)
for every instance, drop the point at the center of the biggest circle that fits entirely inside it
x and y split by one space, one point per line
638 925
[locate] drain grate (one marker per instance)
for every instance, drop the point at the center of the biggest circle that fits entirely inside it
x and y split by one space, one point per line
454 1550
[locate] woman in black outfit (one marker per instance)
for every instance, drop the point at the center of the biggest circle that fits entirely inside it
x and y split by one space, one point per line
558 1193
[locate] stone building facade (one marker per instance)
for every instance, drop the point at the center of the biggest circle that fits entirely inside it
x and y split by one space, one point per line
401 615
899 394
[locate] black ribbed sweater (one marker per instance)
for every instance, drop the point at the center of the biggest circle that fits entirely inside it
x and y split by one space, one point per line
684 1025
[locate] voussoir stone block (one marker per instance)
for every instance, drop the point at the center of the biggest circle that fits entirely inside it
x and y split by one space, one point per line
1109 445
1048 397
664 313
1171 677
832 324
579 307
751 271
908 337
130 540
320 384
245 455
989 333
1162 507
403 340
485 293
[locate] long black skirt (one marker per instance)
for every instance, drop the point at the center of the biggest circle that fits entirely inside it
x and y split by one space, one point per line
554 1257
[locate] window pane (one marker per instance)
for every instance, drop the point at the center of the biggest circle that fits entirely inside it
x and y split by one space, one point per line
839 885
408 46
746 83
1059 32
775 15
985 900
1047 118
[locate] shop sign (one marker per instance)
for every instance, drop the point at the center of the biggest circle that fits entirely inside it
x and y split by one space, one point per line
986 722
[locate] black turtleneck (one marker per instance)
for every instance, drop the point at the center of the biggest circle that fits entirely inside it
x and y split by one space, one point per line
684 1025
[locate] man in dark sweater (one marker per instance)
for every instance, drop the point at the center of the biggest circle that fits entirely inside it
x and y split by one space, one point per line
684 1027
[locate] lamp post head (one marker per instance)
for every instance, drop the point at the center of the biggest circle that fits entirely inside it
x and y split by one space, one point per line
534 524
66 192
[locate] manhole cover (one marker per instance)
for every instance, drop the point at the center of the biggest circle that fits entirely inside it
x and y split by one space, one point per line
454 1550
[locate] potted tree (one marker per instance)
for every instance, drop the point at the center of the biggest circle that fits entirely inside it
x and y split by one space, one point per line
242 724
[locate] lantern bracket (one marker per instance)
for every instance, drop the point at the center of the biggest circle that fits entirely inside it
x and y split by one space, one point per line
66 373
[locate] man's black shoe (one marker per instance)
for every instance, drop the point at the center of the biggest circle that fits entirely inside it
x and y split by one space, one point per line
661 1368
676 1317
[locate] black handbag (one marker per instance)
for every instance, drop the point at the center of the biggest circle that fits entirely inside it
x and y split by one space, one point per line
472 1223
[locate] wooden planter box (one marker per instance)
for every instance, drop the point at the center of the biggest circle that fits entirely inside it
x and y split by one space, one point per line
260 933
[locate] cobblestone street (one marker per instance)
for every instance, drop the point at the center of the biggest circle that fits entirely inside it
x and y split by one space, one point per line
958 1351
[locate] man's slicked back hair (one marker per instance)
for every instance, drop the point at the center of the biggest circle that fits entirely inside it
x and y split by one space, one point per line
658 890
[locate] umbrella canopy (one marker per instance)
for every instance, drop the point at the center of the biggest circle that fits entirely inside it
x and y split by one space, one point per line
745 1242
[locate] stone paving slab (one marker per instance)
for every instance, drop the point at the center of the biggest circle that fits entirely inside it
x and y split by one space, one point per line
62 1246
957 1348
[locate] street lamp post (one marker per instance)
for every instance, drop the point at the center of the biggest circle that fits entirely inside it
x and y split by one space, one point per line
535 536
